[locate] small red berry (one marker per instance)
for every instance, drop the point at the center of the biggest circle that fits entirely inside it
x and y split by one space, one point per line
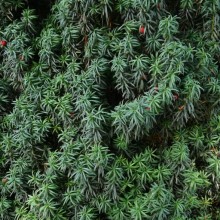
148 108
175 97
142 29
3 43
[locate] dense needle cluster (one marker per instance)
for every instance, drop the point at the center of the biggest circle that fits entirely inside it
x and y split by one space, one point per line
109 110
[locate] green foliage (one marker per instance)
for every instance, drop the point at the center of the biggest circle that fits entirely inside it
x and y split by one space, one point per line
109 110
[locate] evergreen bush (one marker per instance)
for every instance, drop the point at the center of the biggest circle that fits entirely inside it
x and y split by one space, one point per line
110 109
